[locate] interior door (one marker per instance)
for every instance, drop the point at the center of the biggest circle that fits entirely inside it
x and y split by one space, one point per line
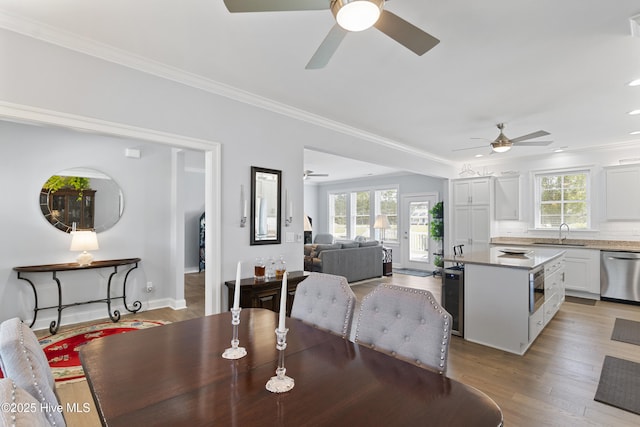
416 246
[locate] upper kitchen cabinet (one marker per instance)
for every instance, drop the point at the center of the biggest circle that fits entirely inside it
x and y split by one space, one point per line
476 191
472 213
622 192
507 198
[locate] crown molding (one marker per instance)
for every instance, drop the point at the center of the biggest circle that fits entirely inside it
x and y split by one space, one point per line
72 41
40 116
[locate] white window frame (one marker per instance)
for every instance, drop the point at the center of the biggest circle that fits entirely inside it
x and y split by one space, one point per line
374 209
538 175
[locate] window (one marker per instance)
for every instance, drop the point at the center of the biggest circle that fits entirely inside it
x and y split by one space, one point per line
386 203
563 197
361 219
338 215
352 214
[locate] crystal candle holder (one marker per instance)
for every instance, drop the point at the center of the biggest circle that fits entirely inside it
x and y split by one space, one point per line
235 352
280 383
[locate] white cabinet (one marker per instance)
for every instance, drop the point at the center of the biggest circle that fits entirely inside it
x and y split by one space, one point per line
622 192
472 213
476 191
582 271
507 198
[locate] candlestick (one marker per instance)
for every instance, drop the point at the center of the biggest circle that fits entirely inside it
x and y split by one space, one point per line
236 291
235 352
280 383
283 302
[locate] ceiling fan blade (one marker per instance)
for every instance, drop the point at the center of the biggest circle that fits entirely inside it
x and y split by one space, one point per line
537 134
532 143
274 5
405 33
470 148
327 48
318 174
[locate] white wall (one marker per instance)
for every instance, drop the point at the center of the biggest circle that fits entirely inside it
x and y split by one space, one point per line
29 156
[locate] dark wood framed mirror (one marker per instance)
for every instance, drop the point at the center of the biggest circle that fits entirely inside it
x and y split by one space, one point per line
84 197
266 216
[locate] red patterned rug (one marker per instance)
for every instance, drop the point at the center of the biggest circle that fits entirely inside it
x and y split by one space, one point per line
61 349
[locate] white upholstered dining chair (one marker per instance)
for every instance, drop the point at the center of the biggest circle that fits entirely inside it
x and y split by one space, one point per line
23 360
326 301
407 323
22 410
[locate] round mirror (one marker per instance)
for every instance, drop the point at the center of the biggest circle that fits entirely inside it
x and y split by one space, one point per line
82 199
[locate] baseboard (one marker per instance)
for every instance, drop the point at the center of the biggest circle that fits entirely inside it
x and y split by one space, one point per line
100 313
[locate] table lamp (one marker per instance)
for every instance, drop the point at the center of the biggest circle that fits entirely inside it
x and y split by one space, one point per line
84 241
382 223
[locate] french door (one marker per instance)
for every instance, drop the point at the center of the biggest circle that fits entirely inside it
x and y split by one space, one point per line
416 246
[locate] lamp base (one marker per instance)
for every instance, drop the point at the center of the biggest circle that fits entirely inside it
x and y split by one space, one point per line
85 258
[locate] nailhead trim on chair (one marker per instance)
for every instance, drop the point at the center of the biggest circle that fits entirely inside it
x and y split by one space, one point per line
443 347
33 375
13 400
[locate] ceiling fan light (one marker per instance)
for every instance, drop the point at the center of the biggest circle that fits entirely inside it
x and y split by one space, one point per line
500 147
356 15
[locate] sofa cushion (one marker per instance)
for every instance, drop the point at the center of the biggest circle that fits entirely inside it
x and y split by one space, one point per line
320 248
347 245
369 243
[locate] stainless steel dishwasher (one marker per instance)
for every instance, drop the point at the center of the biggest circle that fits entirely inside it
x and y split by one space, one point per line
620 276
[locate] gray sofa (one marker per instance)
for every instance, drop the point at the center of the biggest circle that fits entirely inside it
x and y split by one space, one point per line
353 260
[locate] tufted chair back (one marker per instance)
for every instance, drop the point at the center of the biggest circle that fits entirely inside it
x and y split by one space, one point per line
26 364
405 322
326 301
23 409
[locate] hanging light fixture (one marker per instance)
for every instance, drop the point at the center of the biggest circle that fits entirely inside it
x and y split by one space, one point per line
356 15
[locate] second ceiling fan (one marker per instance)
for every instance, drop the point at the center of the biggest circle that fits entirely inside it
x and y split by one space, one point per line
351 16
503 144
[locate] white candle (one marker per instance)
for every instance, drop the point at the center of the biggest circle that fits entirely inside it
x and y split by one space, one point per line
243 202
236 291
283 302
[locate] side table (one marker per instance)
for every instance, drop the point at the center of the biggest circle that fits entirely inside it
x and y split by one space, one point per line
265 293
387 260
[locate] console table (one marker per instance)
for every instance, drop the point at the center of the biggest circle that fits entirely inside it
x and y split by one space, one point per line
266 293
56 268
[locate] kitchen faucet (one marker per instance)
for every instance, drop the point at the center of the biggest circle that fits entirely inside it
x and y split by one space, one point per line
560 238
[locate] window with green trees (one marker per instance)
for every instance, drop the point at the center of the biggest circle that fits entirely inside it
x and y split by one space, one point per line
563 198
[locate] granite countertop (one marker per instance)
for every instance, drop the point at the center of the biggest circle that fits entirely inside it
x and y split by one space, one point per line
603 245
532 258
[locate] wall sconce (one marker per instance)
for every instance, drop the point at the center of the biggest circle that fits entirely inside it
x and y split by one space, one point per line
84 241
288 209
243 207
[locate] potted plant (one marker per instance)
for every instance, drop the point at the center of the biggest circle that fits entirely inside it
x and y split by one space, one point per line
436 230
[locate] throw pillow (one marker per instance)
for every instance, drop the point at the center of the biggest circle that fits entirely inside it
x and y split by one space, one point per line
369 243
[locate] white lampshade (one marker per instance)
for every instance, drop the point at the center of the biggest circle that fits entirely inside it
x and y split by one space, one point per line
382 222
84 241
357 15
307 223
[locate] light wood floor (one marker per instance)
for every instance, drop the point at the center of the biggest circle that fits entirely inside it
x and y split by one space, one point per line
553 384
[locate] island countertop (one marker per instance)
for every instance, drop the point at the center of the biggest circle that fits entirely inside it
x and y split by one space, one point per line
530 259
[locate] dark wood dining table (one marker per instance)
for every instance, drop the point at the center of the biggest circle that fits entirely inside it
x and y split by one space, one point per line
175 375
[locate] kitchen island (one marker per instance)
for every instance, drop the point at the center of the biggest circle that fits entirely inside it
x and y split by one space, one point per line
510 294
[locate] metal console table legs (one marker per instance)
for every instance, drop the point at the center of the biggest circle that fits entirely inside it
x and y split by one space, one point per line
56 268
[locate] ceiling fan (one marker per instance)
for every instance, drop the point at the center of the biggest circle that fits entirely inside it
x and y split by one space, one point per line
503 144
350 15
308 174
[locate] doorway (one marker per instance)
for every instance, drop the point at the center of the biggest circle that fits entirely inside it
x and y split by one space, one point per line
416 245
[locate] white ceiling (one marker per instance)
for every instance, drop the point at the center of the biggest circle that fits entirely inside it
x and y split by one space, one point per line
560 66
